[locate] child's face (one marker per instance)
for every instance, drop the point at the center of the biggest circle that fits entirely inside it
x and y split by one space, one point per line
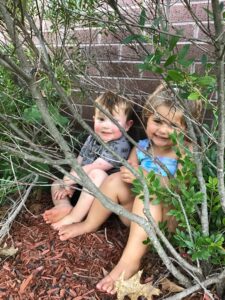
106 129
162 123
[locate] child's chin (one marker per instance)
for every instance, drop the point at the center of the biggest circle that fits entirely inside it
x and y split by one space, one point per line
106 139
162 144
110 138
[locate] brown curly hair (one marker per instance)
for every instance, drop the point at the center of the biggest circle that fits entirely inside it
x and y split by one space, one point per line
112 102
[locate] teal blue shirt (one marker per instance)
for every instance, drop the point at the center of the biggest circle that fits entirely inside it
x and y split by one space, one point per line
149 163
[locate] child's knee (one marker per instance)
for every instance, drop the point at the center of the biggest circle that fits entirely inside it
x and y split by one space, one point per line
114 179
97 174
138 206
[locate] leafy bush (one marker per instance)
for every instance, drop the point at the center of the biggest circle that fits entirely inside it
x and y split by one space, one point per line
185 197
16 102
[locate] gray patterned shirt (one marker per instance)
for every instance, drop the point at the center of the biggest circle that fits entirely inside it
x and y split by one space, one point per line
92 150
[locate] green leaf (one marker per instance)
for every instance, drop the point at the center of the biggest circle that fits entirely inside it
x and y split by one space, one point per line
183 52
157 70
209 12
57 117
155 201
189 244
150 67
143 18
201 254
206 81
197 199
204 59
40 166
135 37
147 241
173 137
175 75
158 56
170 60
32 114
173 42
149 57
194 96
186 62
163 39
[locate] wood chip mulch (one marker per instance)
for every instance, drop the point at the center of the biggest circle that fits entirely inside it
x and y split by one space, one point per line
46 268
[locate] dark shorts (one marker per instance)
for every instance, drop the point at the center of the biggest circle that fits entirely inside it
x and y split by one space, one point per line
112 171
76 195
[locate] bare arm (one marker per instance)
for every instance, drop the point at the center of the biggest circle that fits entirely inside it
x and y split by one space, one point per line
79 159
126 174
100 164
68 181
66 189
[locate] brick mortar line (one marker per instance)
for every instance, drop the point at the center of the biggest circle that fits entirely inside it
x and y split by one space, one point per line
125 78
99 28
194 2
119 45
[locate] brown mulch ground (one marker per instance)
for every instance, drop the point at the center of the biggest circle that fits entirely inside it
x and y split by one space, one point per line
47 268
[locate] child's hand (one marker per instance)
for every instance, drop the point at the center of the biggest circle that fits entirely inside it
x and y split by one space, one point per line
126 174
62 193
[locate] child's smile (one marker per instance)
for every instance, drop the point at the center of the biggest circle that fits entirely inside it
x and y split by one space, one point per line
163 123
105 127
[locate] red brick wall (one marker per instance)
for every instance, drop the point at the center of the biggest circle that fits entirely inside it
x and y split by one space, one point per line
113 65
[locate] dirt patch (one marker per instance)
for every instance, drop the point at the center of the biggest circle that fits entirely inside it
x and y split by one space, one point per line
47 268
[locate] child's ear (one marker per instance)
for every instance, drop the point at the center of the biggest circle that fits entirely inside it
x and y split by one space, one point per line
129 124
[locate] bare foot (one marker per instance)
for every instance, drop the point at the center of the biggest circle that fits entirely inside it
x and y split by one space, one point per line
67 220
56 213
70 231
107 284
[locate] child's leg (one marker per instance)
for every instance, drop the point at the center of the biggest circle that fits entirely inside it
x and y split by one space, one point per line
84 203
115 189
61 207
134 250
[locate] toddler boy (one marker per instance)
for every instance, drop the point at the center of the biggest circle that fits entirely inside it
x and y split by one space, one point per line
95 159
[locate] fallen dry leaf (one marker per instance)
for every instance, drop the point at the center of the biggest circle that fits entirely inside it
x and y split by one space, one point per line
133 288
170 286
8 251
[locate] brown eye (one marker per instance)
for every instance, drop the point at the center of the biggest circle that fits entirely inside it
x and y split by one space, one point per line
173 125
158 121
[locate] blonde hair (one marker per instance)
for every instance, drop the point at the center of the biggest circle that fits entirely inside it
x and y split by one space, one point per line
164 96
112 102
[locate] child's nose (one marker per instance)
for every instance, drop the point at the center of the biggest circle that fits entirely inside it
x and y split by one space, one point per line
107 123
165 129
